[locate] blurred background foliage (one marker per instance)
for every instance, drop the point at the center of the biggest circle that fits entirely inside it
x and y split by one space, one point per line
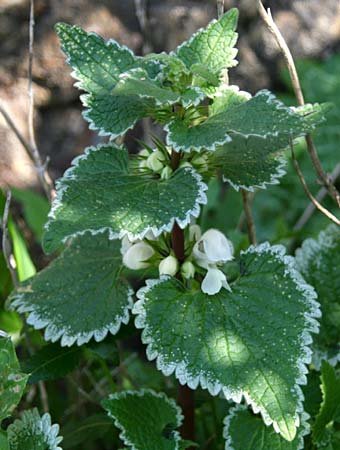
77 378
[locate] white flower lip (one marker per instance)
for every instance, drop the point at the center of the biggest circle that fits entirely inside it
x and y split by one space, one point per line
214 281
213 248
137 255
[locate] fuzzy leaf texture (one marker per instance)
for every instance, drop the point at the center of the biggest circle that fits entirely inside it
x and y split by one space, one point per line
147 420
101 192
212 47
97 67
12 380
250 342
330 407
244 431
260 116
80 295
318 261
33 432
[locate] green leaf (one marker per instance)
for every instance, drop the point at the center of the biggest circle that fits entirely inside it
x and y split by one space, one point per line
212 47
251 162
244 431
33 432
3 440
250 342
80 295
147 420
88 430
136 83
97 67
51 363
261 116
318 261
330 407
25 266
101 192
35 210
12 380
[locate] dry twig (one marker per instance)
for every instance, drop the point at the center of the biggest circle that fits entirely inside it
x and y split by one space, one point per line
272 27
220 8
307 191
6 243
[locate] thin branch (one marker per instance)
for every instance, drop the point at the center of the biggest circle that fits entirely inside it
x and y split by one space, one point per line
220 8
308 212
272 27
249 217
43 175
307 191
6 243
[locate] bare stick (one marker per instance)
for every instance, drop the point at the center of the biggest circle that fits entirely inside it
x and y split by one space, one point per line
307 191
308 212
249 217
272 27
6 244
220 8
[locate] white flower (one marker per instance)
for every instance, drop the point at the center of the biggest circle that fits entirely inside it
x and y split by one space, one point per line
168 266
212 248
195 232
125 245
185 164
155 161
188 270
137 255
213 282
144 153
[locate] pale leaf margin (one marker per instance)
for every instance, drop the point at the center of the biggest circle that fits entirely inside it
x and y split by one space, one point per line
311 250
69 175
215 387
141 393
303 430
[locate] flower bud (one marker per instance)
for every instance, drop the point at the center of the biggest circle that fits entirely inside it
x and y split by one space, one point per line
166 172
144 153
155 161
137 255
194 232
168 266
185 164
188 270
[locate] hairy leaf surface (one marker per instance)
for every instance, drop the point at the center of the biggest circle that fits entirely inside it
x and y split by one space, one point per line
12 380
318 261
244 431
80 295
212 47
101 192
251 341
148 420
33 432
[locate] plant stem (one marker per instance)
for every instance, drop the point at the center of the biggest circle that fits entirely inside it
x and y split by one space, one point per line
249 217
186 396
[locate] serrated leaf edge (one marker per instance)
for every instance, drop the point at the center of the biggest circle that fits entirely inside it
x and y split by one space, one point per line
205 30
141 393
241 407
214 388
311 250
44 424
274 178
69 174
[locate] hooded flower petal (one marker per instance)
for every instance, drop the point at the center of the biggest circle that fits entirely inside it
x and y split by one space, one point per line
137 255
213 248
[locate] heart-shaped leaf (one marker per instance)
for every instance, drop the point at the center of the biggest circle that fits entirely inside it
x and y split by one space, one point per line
318 261
101 192
80 295
148 420
250 342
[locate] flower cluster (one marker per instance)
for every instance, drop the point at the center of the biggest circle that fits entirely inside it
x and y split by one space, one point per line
210 251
